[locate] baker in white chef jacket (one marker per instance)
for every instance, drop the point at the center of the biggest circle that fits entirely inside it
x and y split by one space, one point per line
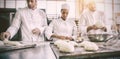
92 20
32 22
62 28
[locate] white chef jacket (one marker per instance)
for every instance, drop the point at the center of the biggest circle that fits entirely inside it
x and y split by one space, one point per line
61 27
27 19
89 18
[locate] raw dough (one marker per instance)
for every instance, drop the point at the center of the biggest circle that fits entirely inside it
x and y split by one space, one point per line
89 45
99 25
73 43
58 43
65 46
12 43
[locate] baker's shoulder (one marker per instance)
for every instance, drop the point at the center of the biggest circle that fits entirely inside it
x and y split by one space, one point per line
41 11
22 10
85 12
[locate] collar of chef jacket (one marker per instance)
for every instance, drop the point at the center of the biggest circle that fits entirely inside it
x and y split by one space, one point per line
64 20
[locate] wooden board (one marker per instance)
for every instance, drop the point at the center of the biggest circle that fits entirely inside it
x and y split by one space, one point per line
81 53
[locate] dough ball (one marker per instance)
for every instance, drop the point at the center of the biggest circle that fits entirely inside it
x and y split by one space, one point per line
64 46
73 43
58 43
67 48
99 25
89 45
12 43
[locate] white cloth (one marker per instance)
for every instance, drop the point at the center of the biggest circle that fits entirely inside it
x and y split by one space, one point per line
61 27
89 18
27 19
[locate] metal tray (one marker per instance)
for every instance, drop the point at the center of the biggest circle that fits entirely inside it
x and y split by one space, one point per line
10 48
81 53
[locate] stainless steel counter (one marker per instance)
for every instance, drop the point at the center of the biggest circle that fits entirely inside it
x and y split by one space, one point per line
40 52
107 50
45 52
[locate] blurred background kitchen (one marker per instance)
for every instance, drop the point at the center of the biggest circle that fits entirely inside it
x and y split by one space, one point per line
111 8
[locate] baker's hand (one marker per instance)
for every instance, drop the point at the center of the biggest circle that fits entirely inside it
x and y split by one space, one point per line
104 29
91 28
36 31
69 38
5 35
61 37
95 27
65 37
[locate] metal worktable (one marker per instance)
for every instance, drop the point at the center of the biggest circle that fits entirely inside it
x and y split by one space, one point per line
49 51
80 53
110 51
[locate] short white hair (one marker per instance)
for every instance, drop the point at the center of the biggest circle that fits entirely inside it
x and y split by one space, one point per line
89 2
65 6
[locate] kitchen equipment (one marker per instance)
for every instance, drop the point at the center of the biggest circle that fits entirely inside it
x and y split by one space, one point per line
98 37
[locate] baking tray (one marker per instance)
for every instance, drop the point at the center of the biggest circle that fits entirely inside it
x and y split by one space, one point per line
81 53
4 48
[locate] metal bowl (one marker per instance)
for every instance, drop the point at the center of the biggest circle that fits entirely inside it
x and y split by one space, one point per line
98 37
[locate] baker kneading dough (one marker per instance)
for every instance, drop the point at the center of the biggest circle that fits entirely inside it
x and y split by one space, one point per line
89 46
11 43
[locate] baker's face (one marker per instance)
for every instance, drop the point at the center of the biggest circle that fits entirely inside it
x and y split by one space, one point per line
32 4
64 13
92 7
